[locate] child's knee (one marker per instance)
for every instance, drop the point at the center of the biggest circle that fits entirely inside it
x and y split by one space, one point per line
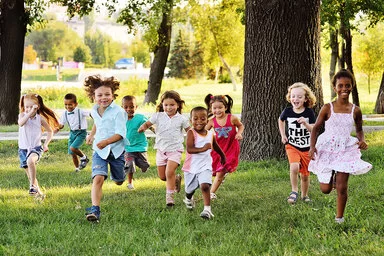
205 187
119 183
325 188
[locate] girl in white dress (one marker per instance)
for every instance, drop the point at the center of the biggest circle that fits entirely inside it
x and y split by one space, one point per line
335 153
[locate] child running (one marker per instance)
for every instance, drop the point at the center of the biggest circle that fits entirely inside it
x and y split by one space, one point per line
229 130
33 118
335 153
198 163
299 120
169 140
136 149
108 137
77 122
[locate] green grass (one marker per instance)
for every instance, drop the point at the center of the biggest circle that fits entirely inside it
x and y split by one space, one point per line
252 216
68 75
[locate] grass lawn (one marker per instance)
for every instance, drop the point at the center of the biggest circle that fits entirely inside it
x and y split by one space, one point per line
252 216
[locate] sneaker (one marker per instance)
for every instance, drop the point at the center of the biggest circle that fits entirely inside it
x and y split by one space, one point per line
93 213
170 200
178 183
206 215
33 190
213 196
130 186
189 203
306 199
339 220
83 163
77 169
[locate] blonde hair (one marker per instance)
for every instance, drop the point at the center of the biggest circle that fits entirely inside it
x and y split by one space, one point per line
309 96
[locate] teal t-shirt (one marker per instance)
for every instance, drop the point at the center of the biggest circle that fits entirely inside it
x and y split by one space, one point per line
137 141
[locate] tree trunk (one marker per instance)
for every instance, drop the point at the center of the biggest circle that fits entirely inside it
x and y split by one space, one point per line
379 107
282 46
12 33
334 43
161 55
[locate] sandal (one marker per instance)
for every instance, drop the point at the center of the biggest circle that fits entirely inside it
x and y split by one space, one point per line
306 199
292 198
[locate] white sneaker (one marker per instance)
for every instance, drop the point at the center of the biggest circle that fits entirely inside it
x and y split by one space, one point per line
213 196
130 186
206 215
339 220
189 203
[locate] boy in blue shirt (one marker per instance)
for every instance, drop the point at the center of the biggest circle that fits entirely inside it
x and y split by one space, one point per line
136 149
107 138
77 122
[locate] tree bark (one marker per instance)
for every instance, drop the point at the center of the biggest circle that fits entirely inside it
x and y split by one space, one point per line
282 46
379 107
12 34
334 43
160 55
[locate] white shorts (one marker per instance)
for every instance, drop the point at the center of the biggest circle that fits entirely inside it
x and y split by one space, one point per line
194 180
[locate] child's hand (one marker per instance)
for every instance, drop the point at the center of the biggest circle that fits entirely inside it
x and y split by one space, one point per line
45 148
284 140
302 120
311 153
102 144
89 139
362 145
207 146
141 129
238 136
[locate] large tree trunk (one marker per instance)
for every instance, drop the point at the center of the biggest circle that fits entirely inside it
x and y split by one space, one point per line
281 48
379 107
161 55
345 31
12 33
334 43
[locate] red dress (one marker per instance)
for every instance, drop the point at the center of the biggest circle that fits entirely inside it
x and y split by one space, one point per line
225 136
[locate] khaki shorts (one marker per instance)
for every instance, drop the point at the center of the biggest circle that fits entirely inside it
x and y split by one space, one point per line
297 156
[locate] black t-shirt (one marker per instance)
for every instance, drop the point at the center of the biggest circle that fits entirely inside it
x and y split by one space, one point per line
298 136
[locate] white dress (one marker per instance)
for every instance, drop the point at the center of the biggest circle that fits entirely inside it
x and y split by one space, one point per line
337 149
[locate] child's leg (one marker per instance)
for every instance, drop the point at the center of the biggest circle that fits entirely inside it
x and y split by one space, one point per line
218 180
304 185
130 177
205 191
77 152
170 173
342 193
75 160
161 172
293 174
326 188
31 162
97 192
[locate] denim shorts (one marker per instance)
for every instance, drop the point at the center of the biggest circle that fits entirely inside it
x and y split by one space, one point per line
24 154
100 167
76 139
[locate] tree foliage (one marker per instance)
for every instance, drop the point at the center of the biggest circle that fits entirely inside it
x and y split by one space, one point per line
30 54
180 62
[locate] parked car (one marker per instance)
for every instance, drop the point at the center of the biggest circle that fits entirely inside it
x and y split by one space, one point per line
125 63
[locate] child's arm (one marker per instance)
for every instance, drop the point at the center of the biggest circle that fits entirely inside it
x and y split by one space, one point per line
284 138
240 127
191 149
91 135
144 126
209 125
302 120
218 149
323 116
359 128
49 131
23 117
103 143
